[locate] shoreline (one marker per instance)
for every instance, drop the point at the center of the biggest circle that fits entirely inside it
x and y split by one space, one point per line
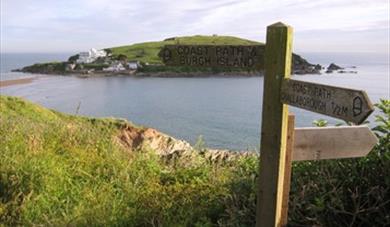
133 74
6 83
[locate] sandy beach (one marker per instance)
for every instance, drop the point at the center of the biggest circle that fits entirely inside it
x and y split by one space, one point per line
5 83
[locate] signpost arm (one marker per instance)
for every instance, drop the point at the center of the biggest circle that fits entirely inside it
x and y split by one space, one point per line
287 172
274 126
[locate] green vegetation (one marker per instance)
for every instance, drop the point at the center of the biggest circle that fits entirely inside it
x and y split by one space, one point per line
148 52
95 66
147 55
382 130
49 67
73 58
58 169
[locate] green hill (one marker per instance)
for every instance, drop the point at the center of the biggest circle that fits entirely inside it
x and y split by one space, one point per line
148 52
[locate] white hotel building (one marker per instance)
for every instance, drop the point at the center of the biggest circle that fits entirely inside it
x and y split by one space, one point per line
91 55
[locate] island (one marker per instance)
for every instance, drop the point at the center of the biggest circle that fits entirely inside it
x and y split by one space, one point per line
142 59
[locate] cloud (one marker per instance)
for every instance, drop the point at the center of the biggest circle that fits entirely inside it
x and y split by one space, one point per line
75 25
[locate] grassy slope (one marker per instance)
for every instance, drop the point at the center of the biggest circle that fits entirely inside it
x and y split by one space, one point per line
54 167
148 52
57 169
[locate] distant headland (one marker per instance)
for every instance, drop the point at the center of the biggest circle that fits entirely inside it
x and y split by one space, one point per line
142 59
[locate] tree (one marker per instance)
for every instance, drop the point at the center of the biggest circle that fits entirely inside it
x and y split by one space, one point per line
73 59
122 57
108 51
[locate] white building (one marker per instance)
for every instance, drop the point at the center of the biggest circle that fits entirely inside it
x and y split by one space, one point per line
133 65
115 67
91 55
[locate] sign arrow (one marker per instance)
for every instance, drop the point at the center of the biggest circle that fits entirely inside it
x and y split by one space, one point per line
343 103
332 142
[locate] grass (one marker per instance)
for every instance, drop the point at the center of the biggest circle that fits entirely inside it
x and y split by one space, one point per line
148 52
58 169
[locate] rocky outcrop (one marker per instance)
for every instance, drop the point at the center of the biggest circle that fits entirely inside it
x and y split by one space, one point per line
333 67
301 66
135 139
347 71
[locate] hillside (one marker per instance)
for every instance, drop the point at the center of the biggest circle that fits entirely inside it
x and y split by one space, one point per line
151 65
64 170
148 52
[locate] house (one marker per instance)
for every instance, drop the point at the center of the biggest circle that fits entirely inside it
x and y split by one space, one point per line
133 65
70 67
91 55
115 67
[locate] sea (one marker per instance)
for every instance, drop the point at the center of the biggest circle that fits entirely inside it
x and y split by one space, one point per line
223 112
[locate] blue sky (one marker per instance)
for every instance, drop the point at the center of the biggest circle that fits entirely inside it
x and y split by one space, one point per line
75 25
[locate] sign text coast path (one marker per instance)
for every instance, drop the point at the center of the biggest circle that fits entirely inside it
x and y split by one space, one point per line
343 103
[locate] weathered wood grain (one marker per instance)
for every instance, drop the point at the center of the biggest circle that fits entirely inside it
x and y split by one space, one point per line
332 142
287 168
278 54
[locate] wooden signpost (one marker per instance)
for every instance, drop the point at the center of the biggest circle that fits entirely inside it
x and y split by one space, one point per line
280 143
278 54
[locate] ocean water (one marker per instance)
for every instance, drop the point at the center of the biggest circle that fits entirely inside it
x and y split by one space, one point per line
225 111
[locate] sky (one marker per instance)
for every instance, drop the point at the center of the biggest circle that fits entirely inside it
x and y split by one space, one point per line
58 26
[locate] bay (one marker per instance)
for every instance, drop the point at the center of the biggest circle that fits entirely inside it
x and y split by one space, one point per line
225 111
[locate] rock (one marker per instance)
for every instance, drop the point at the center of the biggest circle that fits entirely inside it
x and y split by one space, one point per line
318 67
170 149
301 66
329 71
333 67
343 71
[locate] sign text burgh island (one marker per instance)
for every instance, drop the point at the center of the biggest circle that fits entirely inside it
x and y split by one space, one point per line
214 56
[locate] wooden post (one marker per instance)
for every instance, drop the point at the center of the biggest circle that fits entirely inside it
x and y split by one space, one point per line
287 168
278 56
